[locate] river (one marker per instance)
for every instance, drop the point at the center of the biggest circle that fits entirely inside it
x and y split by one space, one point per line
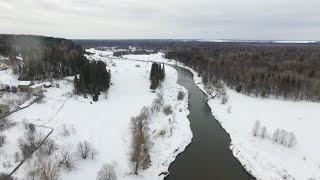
208 156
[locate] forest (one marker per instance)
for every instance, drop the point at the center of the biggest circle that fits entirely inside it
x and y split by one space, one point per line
43 57
93 78
290 71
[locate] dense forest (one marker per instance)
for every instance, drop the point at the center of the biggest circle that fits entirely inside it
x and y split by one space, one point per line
290 71
93 78
43 57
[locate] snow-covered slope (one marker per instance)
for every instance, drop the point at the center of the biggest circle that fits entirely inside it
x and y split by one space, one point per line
106 123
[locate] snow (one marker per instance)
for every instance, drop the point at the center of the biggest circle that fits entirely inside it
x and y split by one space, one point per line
8 78
36 86
106 123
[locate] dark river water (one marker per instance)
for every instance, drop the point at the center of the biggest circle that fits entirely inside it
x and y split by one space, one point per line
208 157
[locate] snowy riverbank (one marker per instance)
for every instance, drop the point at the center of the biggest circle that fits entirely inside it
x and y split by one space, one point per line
106 123
263 158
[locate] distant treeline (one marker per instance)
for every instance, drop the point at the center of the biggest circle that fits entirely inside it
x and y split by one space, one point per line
43 57
137 52
290 71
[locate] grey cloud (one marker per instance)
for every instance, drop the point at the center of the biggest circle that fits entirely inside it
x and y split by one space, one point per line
209 19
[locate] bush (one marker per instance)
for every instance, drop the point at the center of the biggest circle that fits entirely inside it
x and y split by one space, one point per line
181 95
48 147
4 124
44 169
84 149
157 104
107 172
65 132
67 159
167 110
2 140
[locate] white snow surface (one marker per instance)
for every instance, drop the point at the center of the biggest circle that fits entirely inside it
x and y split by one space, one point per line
261 157
106 123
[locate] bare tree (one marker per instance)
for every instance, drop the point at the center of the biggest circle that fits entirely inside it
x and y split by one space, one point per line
139 157
84 149
264 133
167 110
48 147
256 128
292 140
67 159
2 140
107 172
275 135
181 95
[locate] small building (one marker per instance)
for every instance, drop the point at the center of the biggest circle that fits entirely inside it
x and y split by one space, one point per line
4 109
24 85
3 66
36 89
47 85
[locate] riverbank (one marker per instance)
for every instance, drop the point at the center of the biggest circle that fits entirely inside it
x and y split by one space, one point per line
261 157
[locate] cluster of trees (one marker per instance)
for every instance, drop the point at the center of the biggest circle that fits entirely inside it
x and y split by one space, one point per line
288 71
93 78
43 57
282 136
157 75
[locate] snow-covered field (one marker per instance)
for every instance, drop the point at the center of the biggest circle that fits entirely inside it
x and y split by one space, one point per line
262 157
106 123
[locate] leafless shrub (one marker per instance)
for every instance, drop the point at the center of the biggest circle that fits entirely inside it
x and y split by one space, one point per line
264 133
181 95
229 109
2 140
224 95
157 104
162 132
67 158
47 169
256 128
16 157
84 149
140 145
167 110
4 124
93 153
48 147
29 143
65 132
107 172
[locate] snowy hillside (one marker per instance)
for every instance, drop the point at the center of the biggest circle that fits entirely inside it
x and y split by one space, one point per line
106 124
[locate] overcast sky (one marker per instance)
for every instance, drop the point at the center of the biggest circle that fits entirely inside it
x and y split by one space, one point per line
180 19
